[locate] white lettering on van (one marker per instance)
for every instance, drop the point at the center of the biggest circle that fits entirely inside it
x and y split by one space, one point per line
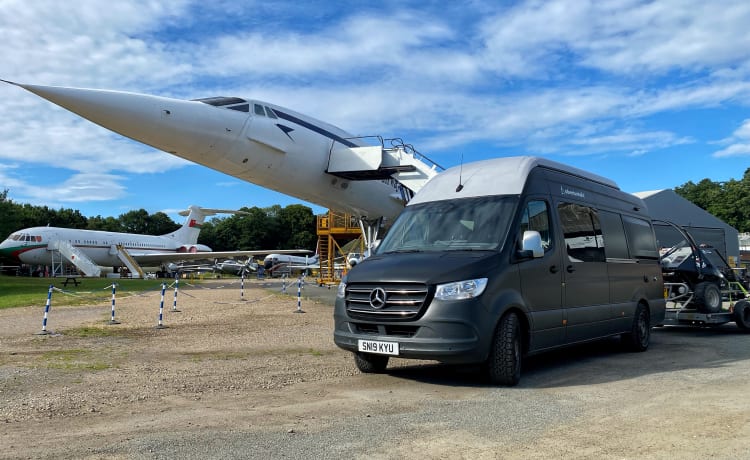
566 191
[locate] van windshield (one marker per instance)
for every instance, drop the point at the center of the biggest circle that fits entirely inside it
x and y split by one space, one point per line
479 223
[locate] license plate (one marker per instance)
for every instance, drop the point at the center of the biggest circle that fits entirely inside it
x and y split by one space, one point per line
378 347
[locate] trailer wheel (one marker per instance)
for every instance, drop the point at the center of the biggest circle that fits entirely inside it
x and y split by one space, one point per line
639 336
708 297
742 315
504 362
371 364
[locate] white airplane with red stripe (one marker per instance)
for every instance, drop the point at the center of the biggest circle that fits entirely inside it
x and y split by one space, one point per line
35 245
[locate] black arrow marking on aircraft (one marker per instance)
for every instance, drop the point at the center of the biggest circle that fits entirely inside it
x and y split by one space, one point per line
286 130
312 127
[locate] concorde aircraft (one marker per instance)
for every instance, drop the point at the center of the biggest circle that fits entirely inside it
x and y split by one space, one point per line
264 144
91 249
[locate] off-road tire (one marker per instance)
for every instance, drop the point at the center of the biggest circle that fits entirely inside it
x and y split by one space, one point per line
639 337
369 363
707 297
504 363
742 315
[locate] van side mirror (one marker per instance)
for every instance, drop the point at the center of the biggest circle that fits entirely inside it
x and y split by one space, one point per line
531 245
372 249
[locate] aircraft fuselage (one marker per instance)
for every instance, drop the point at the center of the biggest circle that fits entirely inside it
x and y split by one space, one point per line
255 141
31 245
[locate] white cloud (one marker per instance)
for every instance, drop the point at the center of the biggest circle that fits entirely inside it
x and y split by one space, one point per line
617 36
88 42
559 76
739 143
75 189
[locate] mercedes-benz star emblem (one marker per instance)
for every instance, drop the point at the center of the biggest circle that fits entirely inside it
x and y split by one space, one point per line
377 298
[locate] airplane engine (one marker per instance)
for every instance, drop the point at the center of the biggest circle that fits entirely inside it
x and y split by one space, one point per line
193 248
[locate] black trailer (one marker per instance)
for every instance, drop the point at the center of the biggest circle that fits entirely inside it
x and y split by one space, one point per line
700 287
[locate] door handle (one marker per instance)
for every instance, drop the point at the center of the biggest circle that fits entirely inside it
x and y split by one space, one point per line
553 269
570 269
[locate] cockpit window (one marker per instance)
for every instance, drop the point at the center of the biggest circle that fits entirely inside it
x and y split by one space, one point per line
233 103
270 112
259 110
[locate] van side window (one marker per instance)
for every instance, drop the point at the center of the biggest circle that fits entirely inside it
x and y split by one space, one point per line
614 234
582 233
640 238
536 217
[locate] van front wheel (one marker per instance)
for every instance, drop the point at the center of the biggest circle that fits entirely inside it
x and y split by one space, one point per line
370 364
504 362
639 336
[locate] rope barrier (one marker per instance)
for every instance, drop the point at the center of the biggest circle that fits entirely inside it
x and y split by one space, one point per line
163 287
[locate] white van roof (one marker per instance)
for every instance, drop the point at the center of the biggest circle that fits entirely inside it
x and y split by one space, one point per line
497 176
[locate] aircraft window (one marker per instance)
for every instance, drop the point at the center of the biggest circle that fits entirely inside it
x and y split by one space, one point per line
221 101
14 237
233 103
270 113
259 110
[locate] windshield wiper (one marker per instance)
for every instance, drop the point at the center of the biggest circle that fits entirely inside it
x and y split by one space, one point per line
403 251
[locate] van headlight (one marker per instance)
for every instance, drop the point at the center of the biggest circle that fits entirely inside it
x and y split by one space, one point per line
461 289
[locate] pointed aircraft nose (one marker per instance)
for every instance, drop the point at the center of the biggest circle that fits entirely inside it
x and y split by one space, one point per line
189 129
6 249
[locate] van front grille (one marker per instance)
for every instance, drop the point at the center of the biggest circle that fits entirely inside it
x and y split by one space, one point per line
386 329
388 301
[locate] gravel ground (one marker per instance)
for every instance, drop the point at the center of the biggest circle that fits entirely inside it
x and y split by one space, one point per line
233 377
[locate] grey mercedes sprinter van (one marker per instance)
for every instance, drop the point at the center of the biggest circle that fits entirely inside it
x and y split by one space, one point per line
503 258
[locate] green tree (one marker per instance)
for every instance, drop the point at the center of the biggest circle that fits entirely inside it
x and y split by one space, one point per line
109 224
9 215
68 218
161 224
729 201
297 223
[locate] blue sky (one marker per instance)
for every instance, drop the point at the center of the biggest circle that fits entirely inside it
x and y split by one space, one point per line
649 94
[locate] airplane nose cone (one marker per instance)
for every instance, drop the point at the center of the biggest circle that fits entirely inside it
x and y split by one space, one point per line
5 249
189 129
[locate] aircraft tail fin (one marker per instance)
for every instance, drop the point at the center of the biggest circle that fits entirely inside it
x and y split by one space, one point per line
196 215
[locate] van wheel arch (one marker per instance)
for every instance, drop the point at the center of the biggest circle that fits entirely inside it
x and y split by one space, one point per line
523 320
508 346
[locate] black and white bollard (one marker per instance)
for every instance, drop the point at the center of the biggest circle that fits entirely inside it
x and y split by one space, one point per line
46 312
283 283
112 320
242 285
176 286
299 296
161 325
